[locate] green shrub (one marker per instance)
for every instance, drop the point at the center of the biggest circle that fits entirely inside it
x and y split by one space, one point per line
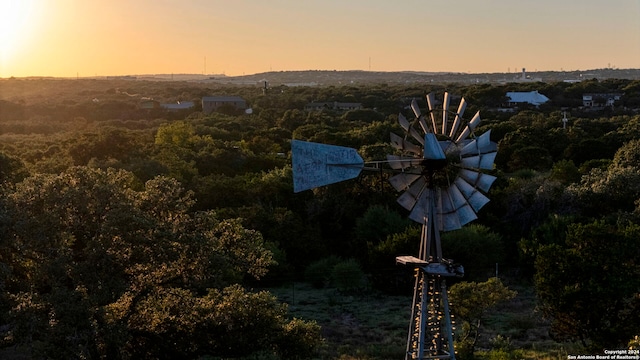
347 275
318 273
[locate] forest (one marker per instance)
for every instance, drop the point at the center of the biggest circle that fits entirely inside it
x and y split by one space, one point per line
136 233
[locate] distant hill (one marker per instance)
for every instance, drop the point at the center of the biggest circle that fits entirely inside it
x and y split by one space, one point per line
355 77
325 77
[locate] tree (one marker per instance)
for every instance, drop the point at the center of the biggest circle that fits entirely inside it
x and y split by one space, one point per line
179 133
11 169
475 247
376 224
589 284
628 155
565 171
102 266
530 157
472 300
603 192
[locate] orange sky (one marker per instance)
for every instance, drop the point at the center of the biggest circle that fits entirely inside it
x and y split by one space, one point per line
71 38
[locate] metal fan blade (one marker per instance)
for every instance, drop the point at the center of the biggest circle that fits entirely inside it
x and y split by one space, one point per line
480 145
404 123
474 197
483 161
432 148
402 181
457 198
404 145
415 108
485 144
447 146
420 211
445 112
402 162
423 124
431 103
473 123
409 198
477 179
466 215
463 208
418 113
458 119
408 128
447 212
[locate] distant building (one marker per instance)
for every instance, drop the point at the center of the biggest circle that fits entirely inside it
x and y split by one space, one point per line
180 105
600 100
213 103
317 106
526 97
526 78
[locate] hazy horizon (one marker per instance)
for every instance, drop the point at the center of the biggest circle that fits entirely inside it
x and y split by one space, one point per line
73 38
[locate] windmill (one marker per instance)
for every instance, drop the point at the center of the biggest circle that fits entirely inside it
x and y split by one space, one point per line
439 171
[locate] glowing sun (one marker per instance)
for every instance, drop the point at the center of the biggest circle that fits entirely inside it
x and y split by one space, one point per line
15 21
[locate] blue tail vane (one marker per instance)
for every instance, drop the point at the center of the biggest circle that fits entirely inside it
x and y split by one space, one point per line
316 165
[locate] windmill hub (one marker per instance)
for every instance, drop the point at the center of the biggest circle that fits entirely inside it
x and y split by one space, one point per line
433 165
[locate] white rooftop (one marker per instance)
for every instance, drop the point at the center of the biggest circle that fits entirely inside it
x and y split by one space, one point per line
531 97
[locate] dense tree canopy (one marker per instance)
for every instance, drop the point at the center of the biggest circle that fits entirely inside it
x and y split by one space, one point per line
589 284
101 265
113 215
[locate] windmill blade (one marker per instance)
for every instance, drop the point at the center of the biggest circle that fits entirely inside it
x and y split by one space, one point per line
477 179
431 104
415 108
420 211
485 144
418 113
458 119
423 124
447 146
482 161
447 212
445 112
465 212
457 197
402 181
409 198
481 145
432 148
475 198
317 165
402 162
404 123
473 123
404 145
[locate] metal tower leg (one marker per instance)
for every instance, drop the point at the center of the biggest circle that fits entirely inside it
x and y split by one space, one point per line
430 329
448 325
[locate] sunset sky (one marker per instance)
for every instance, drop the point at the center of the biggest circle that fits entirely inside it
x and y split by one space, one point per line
70 38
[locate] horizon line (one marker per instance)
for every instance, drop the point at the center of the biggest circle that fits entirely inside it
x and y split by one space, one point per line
171 74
